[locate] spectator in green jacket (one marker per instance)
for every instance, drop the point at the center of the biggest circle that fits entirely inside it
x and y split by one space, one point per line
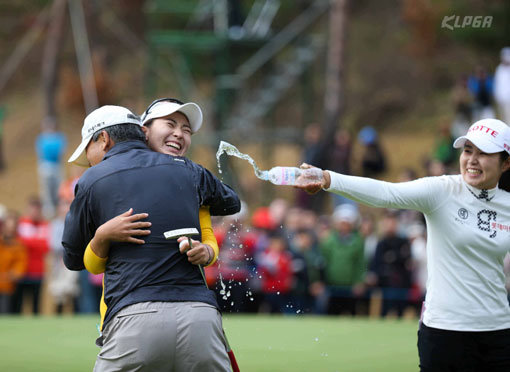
343 251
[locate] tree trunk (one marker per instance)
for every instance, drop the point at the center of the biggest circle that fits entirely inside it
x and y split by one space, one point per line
50 58
2 162
333 95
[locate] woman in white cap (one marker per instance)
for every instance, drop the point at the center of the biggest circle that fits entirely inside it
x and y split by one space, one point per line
465 323
168 125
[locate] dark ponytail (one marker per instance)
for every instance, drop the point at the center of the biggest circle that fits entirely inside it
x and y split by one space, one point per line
504 180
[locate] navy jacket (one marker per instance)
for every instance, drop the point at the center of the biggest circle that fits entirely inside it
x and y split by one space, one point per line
171 190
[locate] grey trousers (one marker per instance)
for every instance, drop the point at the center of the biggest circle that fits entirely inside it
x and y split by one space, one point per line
164 336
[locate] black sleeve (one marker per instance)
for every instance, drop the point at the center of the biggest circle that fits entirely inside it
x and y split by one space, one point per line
78 232
220 198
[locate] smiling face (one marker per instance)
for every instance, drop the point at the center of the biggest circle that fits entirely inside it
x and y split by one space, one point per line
479 169
170 134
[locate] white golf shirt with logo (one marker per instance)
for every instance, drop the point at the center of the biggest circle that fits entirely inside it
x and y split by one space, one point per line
468 236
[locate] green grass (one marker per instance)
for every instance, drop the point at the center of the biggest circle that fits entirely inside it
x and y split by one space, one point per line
260 343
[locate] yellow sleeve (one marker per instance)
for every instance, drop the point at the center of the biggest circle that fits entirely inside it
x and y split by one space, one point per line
94 263
207 232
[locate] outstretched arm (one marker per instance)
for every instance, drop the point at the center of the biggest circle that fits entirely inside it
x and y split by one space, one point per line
423 194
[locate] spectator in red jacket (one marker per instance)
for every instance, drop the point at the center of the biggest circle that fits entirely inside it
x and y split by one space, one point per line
234 267
275 267
33 232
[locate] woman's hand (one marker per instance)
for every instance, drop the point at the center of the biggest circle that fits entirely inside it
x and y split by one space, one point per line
315 187
122 228
198 254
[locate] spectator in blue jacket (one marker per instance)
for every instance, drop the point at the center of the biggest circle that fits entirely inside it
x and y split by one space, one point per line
481 87
50 146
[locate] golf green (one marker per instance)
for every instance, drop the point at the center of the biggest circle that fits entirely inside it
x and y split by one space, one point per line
260 342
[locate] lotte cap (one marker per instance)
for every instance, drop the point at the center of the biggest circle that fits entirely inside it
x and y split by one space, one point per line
167 106
100 118
489 135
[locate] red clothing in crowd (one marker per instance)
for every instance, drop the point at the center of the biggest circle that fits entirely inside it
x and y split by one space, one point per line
236 251
276 271
35 236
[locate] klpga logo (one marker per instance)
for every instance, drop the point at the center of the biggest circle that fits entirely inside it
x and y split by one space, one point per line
453 21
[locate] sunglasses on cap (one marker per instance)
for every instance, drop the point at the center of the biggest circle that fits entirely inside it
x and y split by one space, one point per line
148 110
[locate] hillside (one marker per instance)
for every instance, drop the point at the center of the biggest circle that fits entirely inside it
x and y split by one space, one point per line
400 68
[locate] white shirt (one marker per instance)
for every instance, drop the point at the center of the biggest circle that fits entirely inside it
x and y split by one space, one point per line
502 84
419 254
468 236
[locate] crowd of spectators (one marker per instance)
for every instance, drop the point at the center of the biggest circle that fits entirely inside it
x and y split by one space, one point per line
301 262
278 259
282 258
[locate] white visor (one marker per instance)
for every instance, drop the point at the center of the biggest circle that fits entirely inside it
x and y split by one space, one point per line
165 108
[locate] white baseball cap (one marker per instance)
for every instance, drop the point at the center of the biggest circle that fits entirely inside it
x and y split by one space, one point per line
505 54
103 117
166 106
346 212
489 135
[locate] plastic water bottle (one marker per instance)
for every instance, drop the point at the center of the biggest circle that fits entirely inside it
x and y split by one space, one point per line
292 176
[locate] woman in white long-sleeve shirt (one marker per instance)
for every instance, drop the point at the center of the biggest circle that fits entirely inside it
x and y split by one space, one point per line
465 324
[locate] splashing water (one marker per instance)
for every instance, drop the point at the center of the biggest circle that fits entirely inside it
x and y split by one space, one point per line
231 150
223 287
